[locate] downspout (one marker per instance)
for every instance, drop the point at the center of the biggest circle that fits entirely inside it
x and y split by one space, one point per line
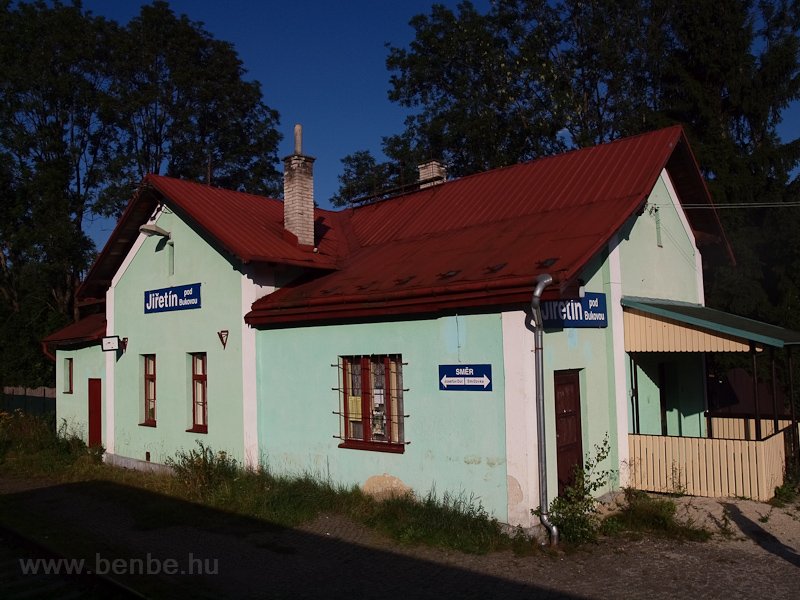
47 352
542 281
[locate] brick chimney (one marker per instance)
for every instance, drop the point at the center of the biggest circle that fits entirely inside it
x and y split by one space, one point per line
298 192
431 173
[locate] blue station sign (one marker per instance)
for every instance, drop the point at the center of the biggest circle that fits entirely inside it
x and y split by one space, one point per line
180 297
465 378
589 311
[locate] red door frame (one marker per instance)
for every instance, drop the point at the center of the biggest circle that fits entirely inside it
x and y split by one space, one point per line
95 409
569 441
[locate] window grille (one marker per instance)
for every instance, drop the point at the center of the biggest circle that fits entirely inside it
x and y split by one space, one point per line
370 411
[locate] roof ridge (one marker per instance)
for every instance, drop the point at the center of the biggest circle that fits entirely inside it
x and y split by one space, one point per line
527 163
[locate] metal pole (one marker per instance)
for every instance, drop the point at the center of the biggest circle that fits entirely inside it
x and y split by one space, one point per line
795 433
755 391
635 371
542 281
774 393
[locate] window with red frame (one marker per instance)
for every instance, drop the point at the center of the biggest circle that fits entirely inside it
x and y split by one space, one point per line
67 375
371 389
199 393
149 364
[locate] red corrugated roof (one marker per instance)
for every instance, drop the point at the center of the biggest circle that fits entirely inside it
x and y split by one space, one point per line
482 239
88 329
474 241
247 226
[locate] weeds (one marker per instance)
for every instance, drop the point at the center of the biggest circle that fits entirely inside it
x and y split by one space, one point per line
724 525
28 443
786 493
456 522
575 512
453 522
286 500
677 485
643 513
201 470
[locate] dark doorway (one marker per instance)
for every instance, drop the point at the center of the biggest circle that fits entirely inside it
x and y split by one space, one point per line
95 424
569 447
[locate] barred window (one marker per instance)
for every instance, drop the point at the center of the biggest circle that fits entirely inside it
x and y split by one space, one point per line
371 402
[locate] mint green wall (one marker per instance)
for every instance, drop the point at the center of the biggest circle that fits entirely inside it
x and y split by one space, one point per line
685 394
457 439
589 350
648 270
651 271
72 410
171 336
670 272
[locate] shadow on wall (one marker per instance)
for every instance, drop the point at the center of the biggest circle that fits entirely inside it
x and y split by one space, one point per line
242 557
733 392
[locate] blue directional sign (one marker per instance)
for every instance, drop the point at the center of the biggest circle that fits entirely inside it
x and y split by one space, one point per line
589 311
465 378
181 297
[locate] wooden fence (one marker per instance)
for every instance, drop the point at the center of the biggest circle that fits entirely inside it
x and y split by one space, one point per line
39 401
743 428
714 468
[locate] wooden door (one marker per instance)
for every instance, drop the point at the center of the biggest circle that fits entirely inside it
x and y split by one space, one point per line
569 447
95 404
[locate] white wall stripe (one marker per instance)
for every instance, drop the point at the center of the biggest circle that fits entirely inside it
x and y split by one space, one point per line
134 249
520 414
111 358
252 289
111 361
618 351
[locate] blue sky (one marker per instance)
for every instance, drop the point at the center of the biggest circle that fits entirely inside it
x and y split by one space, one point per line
321 63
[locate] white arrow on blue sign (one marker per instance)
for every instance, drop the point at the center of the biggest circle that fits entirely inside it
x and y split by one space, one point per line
465 378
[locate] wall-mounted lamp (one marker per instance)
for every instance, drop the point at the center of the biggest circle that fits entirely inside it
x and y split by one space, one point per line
150 229
112 343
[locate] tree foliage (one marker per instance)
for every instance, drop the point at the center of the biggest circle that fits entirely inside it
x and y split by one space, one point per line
531 77
182 108
485 84
364 178
87 108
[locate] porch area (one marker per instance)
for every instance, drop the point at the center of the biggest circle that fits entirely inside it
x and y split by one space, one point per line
711 467
677 442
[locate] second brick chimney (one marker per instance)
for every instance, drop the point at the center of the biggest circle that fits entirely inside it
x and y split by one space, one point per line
431 173
298 192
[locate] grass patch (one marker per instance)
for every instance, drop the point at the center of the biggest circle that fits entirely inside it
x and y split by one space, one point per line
452 522
30 445
216 480
643 513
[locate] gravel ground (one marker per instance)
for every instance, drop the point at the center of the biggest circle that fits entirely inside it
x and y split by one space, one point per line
754 553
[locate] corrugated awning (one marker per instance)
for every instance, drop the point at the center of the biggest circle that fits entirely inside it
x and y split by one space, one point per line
663 326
